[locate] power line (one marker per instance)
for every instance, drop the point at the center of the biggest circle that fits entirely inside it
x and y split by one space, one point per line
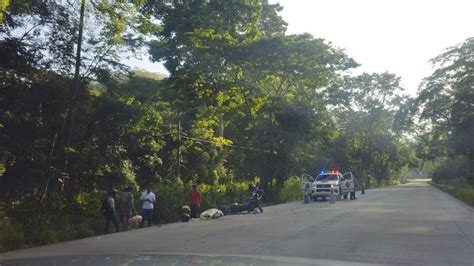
182 134
229 145
163 134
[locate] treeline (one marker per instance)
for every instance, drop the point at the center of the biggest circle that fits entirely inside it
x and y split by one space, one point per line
242 100
445 111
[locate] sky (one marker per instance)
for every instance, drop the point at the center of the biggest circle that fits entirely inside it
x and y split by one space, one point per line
398 36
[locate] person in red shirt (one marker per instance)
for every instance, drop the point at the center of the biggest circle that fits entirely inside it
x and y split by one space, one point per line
195 201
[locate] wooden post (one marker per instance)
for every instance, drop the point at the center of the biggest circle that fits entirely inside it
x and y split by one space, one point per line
179 149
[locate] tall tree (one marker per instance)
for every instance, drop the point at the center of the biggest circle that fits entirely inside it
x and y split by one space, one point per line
368 140
446 101
196 43
284 84
49 35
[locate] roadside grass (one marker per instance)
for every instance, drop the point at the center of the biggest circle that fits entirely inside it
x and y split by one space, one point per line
458 188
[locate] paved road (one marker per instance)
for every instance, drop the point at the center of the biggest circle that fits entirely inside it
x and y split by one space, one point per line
412 224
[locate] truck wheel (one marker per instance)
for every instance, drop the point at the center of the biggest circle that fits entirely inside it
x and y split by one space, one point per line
323 198
315 198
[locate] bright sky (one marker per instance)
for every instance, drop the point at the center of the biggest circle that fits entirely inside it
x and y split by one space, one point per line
398 36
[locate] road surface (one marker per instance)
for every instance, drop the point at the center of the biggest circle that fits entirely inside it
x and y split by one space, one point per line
410 224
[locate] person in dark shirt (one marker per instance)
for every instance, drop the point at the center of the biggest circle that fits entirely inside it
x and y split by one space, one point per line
257 195
109 211
127 207
353 194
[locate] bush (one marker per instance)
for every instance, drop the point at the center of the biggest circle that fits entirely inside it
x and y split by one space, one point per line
452 168
170 198
465 194
30 221
291 190
12 237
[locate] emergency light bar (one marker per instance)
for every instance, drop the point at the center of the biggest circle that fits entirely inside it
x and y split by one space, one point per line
332 171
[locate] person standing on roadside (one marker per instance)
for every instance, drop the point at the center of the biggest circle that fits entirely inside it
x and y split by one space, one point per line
256 197
127 207
108 209
148 199
353 193
195 201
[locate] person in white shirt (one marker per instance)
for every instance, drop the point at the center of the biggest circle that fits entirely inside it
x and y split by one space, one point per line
148 198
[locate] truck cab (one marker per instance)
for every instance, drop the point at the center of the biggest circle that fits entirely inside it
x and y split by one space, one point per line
341 184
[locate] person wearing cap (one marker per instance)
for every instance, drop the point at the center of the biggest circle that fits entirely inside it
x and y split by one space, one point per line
127 207
109 211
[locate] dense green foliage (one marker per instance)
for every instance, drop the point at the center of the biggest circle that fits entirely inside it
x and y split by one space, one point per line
446 107
242 101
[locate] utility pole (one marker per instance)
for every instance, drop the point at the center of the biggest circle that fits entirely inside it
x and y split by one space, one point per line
76 88
179 149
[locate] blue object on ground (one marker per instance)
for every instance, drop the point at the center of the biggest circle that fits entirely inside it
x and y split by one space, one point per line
332 198
306 199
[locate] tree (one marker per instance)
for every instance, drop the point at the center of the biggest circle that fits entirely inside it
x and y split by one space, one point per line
446 98
285 83
196 42
368 140
48 35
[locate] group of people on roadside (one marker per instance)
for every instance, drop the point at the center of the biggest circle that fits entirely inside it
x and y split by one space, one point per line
127 211
126 208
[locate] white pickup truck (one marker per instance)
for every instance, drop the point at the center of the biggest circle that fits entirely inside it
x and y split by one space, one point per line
320 187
